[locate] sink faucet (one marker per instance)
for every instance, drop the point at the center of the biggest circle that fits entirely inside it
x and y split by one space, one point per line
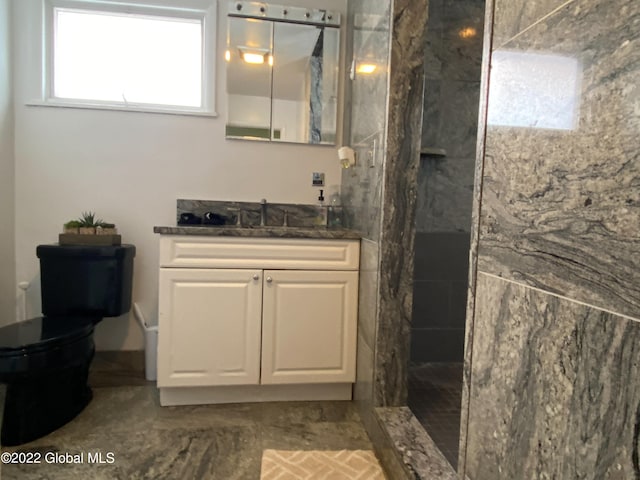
263 212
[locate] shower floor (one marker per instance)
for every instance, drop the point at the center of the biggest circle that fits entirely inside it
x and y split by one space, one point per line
435 394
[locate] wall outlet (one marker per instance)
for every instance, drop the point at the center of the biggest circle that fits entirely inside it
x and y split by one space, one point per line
317 179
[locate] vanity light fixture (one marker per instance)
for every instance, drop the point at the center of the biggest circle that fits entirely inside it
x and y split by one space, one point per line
227 55
255 56
366 68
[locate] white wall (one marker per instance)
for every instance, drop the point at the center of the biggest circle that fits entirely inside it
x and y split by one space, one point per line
249 111
7 231
131 167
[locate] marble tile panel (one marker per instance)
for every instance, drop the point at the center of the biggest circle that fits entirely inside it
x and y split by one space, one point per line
361 195
433 53
299 215
459 291
436 13
368 292
439 304
420 455
555 388
462 40
369 91
561 207
270 232
431 111
363 388
385 449
445 194
437 344
362 184
392 357
430 304
513 17
459 117
404 129
367 96
442 256
474 239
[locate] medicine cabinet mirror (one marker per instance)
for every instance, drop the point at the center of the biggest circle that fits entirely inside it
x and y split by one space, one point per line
282 73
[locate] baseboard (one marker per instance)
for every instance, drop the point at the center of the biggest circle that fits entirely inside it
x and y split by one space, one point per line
254 393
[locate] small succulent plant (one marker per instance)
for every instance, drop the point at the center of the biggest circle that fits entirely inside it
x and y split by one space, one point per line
88 219
87 229
88 223
73 224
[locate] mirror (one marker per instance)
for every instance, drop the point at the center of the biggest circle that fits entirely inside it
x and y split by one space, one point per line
282 77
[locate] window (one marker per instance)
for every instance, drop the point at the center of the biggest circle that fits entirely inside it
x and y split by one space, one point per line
140 56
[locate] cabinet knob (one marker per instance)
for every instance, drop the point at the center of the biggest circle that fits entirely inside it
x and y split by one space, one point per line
269 279
256 277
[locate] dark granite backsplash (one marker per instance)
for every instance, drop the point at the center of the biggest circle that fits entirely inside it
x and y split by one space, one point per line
299 215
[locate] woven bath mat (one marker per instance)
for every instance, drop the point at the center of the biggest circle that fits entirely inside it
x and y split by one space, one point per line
320 464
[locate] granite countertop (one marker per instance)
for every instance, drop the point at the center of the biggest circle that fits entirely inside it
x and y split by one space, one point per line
275 232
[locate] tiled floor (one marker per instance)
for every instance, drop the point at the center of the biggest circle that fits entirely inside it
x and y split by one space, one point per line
435 393
139 439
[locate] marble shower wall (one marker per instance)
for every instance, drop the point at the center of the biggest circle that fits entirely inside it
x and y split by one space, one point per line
439 296
379 193
567 219
453 58
402 150
361 185
554 388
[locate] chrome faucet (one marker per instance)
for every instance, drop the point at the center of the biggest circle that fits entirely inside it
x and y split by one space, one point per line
263 212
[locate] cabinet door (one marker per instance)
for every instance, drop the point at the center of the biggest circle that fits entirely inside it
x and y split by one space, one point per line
309 326
209 327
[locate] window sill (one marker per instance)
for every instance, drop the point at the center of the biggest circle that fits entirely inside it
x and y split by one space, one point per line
123 108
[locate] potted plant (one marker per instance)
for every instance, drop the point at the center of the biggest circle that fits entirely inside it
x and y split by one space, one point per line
72 226
88 223
105 228
89 230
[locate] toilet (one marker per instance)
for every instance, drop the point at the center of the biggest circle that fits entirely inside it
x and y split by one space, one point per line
44 361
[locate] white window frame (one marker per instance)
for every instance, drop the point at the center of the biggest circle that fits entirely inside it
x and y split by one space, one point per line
203 10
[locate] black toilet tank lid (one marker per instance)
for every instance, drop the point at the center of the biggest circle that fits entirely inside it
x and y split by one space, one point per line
90 251
44 331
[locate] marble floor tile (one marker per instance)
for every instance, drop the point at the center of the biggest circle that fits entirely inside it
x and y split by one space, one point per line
139 439
435 391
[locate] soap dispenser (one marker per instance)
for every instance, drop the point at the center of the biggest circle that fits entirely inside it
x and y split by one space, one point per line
321 214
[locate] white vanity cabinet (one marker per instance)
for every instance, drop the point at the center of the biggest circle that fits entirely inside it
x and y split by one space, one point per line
309 321
210 323
251 319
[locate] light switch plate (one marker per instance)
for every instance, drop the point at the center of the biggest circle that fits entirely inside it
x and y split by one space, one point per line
317 180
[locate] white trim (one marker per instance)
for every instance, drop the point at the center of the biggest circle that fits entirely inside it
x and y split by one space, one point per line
193 251
203 10
142 108
254 393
